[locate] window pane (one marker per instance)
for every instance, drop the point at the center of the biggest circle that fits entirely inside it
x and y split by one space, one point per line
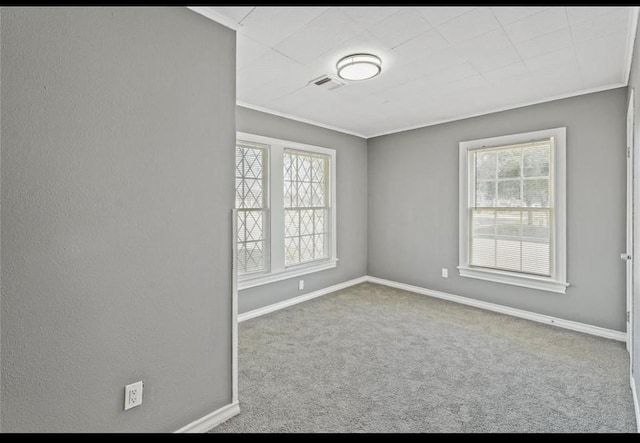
536 161
304 168
485 163
483 252
291 250
486 193
483 223
508 254
252 163
291 223
253 225
251 256
304 194
536 192
251 193
509 193
318 165
319 246
289 168
317 194
535 257
241 191
508 224
288 195
509 163
320 218
306 248
536 225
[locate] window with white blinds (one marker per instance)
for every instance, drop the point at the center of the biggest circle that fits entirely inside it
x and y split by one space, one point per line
513 228
306 207
251 207
285 206
510 218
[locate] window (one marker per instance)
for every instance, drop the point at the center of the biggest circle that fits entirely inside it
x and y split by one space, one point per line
512 209
305 207
285 206
251 206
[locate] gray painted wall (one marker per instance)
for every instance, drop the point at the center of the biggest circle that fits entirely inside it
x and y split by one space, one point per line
351 189
413 207
118 127
634 84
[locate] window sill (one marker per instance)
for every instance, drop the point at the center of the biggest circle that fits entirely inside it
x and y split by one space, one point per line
287 273
533 282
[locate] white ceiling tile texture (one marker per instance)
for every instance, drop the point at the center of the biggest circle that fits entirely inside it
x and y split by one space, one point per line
324 33
532 26
439 15
439 63
402 26
367 17
469 25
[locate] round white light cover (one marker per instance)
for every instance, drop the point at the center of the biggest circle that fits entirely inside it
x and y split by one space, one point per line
359 67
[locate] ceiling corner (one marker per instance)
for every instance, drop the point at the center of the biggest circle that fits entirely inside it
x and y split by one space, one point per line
214 15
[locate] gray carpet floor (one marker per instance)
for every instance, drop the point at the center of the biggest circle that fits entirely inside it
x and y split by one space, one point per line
375 359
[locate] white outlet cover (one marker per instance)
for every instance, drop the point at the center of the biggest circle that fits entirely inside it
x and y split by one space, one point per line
133 395
445 272
300 285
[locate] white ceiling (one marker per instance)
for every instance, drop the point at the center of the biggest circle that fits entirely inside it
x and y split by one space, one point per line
438 63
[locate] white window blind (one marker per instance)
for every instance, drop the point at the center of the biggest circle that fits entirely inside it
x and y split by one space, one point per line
511 207
306 206
251 205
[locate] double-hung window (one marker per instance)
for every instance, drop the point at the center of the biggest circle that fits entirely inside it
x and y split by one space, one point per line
512 209
285 209
306 207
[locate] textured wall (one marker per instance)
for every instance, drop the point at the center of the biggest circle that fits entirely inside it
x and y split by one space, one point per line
413 207
351 189
634 84
118 127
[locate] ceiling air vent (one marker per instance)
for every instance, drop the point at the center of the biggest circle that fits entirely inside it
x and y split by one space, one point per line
327 82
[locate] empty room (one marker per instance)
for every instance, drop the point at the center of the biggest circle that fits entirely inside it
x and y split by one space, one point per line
319 219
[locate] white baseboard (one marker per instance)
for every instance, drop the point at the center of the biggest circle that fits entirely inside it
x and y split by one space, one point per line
540 318
210 421
636 406
293 301
567 324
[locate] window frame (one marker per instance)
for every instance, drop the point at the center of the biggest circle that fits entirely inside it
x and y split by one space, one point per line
275 213
557 282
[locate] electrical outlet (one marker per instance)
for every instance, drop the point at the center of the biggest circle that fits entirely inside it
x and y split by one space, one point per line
133 395
445 272
300 285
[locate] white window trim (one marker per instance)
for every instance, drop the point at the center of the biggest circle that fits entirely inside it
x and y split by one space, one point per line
558 280
278 270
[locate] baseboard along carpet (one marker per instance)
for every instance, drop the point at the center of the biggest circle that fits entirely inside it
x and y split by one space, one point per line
370 358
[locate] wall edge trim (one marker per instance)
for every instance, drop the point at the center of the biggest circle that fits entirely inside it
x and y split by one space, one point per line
211 420
302 298
528 315
298 119
636 405
504 108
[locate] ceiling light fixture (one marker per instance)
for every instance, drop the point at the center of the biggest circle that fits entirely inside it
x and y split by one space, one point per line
359 66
